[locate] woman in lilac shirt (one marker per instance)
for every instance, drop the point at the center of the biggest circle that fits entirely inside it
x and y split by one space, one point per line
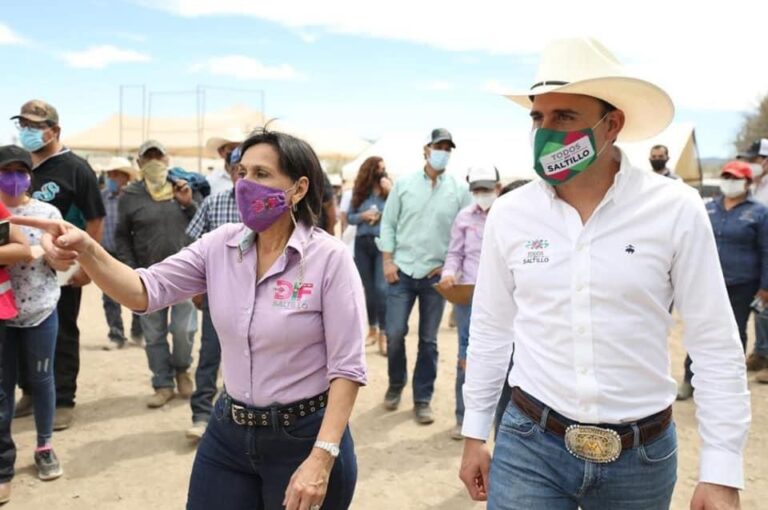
288 305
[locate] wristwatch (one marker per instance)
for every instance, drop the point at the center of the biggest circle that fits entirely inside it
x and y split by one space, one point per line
331 448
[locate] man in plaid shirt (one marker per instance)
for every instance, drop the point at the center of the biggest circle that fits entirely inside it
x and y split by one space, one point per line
215 211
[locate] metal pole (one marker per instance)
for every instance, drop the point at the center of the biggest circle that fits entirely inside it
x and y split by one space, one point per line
120 136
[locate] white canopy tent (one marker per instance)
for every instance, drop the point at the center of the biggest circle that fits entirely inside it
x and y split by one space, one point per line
186 137
510 151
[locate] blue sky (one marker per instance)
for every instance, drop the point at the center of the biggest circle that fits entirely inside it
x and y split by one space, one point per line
348 65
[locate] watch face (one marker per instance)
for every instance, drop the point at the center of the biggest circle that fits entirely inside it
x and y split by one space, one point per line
335 451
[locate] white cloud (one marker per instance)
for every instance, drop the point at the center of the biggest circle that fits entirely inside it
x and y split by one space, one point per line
247 68
8 36
99 57
687 50
495 87
307 37
437 86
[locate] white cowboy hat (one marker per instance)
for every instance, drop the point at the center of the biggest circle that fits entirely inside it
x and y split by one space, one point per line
121 165
584 66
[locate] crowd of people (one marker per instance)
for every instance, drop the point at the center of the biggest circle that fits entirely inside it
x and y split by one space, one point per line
537 273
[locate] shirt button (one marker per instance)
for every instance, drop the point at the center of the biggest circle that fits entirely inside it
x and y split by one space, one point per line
581 330
583 370
579 288
247 395
579 247
246 352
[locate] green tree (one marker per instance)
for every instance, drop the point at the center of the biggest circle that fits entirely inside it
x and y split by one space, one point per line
755 126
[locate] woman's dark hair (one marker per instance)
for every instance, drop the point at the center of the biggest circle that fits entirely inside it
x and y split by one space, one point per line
366 178
297 159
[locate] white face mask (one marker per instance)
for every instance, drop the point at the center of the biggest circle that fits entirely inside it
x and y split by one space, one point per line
757 170
485 199
733 188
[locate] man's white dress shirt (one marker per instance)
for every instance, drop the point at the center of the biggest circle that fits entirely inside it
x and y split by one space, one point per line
587 307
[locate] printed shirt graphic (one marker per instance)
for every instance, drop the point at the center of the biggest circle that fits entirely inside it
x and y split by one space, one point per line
67 182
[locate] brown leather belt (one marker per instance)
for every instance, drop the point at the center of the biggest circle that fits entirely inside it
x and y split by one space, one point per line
650 428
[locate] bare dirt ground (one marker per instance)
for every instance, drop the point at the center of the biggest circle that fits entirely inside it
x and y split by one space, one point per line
122 455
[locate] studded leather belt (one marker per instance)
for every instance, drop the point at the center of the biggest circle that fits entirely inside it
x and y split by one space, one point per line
597 439
285 415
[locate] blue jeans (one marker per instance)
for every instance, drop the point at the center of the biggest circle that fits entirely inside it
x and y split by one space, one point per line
740 296
250 467
164 364
462 314
39 346
207 369
113 312
532 470
401 298
369 264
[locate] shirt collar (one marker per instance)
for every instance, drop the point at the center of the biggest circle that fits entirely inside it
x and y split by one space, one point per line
63 150
426 176
244 238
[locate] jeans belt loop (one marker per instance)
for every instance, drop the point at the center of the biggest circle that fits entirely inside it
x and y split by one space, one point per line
636 431
544 416
274 418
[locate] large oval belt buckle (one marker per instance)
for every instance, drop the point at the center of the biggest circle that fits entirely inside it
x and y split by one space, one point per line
593 444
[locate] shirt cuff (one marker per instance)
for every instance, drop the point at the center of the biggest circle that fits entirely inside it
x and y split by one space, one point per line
385 246
477 425
722 468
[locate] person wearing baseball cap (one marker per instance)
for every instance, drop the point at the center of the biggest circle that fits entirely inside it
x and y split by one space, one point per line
577 275
740 224
31 335
462 261
153 215
66 181
414 235
757 155
120 172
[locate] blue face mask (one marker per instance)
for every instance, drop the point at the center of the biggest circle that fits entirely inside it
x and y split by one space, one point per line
113 186
32 139
439 159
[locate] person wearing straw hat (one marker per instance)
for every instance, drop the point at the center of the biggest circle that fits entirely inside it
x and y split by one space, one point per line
220 179
119 172
577 276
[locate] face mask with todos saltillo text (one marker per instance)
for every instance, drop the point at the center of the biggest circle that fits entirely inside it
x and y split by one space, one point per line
733 188
438 159
559 156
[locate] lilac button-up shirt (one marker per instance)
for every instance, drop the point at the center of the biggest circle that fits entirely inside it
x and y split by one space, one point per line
283 338
464 248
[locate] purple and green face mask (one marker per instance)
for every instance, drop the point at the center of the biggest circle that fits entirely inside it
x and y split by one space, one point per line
14 183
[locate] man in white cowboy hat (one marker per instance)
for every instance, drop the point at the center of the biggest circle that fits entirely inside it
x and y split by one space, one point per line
220 179
577 274
119 172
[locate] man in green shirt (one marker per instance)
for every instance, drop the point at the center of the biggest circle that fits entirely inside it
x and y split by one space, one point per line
415 231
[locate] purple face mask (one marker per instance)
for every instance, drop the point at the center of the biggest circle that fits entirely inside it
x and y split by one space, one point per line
260 206
14 183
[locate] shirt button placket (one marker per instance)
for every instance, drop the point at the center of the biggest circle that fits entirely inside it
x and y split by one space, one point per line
586 385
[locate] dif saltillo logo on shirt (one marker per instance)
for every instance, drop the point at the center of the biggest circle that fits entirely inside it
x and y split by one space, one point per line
291 295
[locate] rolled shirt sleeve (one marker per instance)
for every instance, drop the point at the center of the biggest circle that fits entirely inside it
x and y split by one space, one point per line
712 340
491 331
344 318
177 278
